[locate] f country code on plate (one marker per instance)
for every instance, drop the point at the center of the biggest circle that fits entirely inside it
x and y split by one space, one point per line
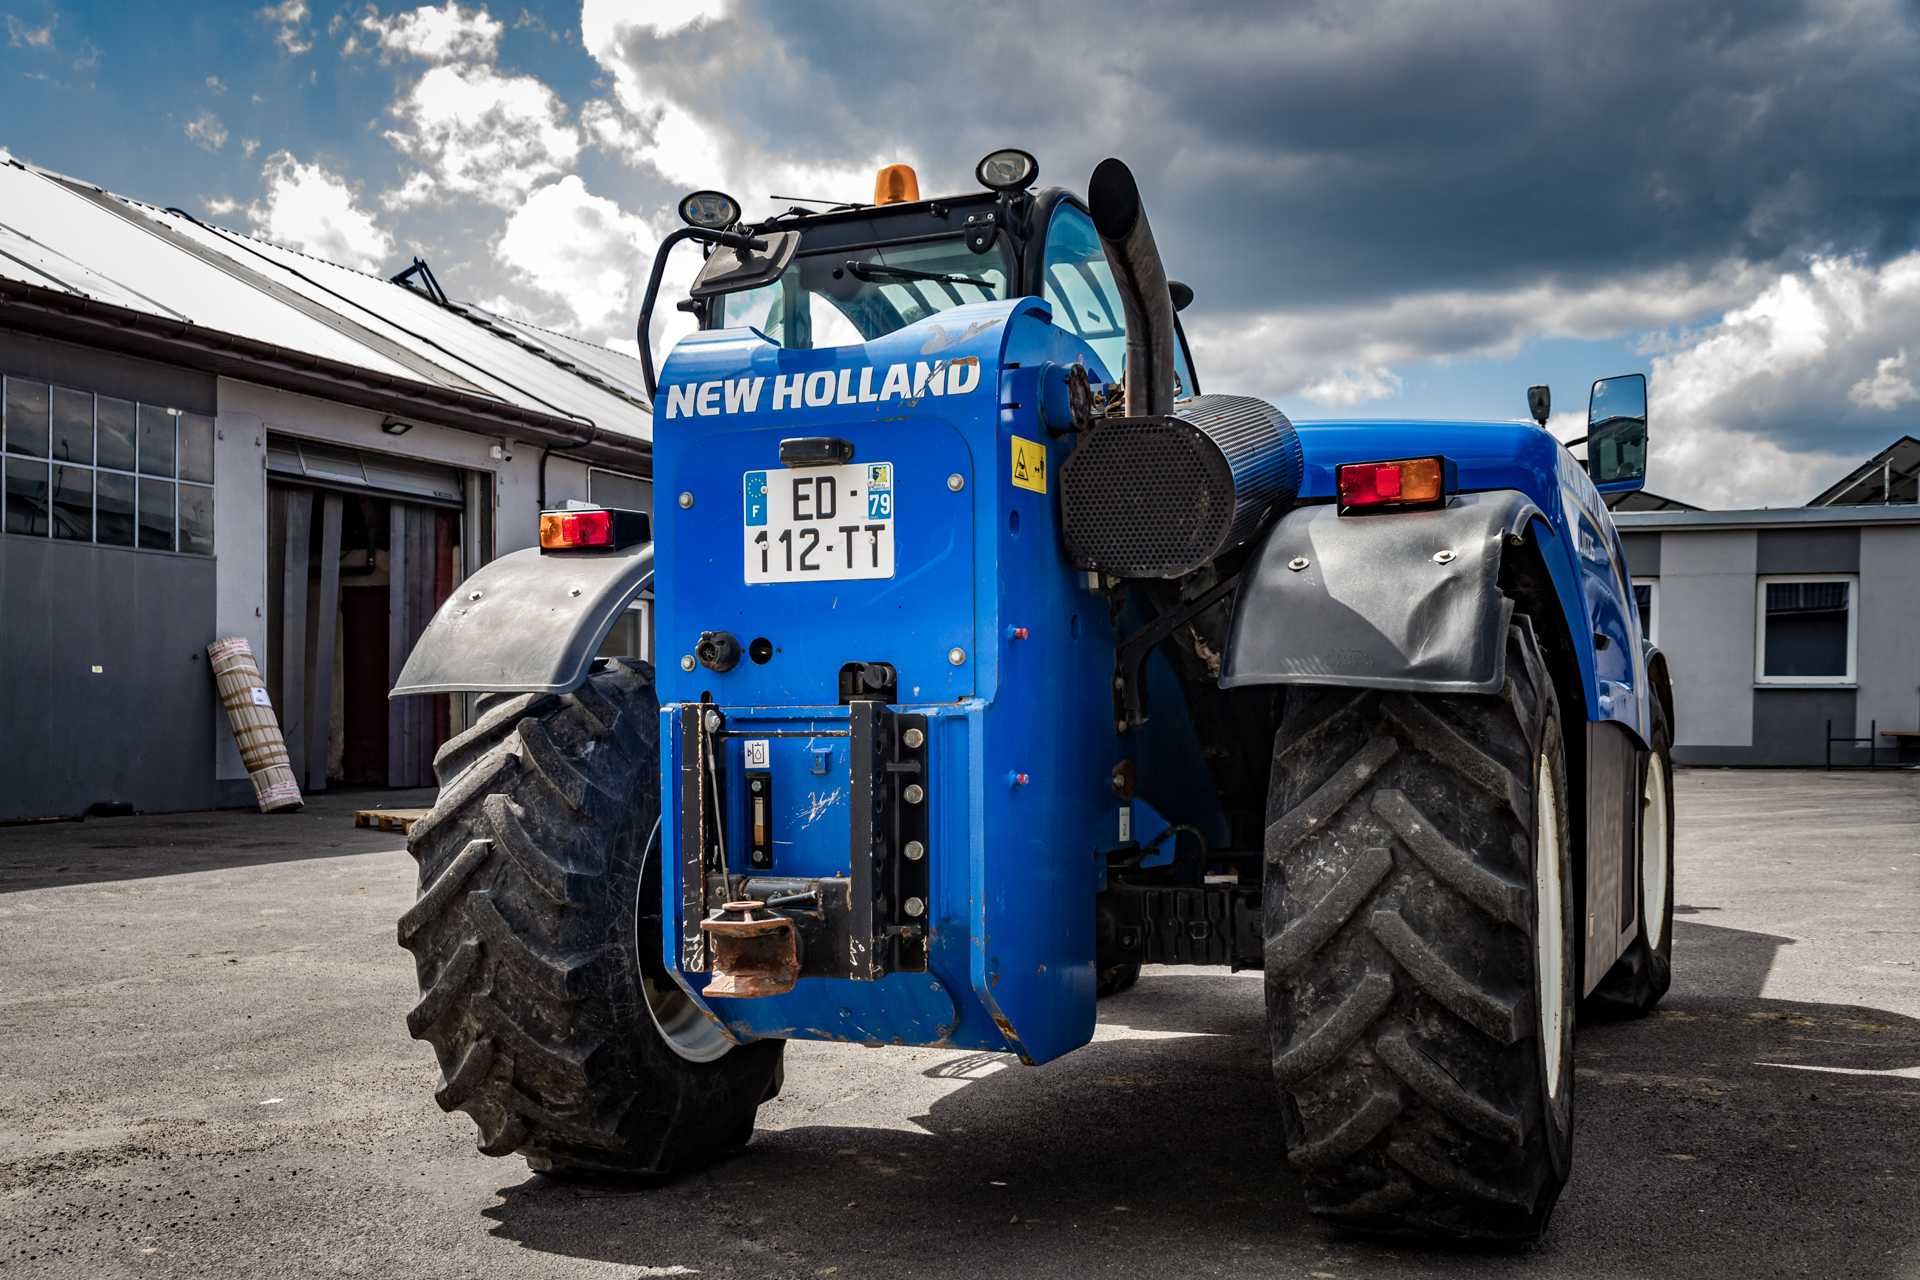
818 524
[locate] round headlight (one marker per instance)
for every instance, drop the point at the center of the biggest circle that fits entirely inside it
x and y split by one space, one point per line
1008 170
714 210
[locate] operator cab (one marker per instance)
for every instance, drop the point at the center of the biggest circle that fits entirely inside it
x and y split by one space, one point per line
856 272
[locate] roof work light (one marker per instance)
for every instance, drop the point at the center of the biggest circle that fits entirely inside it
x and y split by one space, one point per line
1009 169
714 210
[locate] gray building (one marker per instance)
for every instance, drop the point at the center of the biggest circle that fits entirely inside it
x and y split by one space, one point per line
205 434
1780 623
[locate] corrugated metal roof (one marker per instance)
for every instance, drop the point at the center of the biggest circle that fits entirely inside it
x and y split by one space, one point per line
57 233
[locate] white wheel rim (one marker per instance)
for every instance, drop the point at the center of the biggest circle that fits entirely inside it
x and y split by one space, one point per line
1655 851
686 1028
1549 934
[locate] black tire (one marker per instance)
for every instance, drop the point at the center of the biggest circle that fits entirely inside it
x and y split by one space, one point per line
1400 921
534 945
1112 979
1644 971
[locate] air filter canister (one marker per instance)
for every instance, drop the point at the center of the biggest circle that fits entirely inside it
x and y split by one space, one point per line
1160 497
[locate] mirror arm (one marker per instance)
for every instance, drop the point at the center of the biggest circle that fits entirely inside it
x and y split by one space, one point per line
740 240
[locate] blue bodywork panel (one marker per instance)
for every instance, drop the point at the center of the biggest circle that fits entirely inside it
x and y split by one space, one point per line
1005 649
1014 866
1578 541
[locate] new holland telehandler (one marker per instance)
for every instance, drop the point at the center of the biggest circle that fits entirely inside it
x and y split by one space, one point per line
998 658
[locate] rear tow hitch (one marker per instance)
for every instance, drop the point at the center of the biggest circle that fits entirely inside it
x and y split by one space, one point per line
754 952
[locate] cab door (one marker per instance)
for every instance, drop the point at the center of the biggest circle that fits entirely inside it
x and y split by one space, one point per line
1077 283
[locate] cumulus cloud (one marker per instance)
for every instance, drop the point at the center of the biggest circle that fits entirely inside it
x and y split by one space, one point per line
216 85
581 250
1357 192
220 206
484 135
450 33
1766 405
309 208
206 131
288 19
1354 385
1351 354
1888 388
1366 149
657 119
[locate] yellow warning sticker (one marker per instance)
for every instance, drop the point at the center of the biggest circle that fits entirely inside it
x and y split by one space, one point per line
1029 465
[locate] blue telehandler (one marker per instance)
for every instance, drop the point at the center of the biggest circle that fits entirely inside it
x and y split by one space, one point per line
997 659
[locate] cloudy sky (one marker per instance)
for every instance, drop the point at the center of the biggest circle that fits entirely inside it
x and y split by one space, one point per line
1385 207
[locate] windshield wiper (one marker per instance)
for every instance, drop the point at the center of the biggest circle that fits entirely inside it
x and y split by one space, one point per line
873 270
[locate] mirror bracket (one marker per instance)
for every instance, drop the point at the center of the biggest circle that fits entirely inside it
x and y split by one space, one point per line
758 260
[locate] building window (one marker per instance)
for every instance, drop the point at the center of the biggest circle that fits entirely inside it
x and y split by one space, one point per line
617 489
81 467
1805 629
1646 595
632 635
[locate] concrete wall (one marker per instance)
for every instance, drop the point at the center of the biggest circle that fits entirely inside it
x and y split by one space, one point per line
1706 630
1889 630
1706 603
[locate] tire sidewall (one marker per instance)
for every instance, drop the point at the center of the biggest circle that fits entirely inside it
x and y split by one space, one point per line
1556 1096
648 954
1661 757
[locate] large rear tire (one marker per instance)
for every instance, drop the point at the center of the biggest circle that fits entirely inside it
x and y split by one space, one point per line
536 938
1419 923
1644 970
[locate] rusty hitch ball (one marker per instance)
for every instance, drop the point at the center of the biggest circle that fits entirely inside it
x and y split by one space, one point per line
755 952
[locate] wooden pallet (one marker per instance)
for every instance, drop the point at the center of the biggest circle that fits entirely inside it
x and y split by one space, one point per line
400 820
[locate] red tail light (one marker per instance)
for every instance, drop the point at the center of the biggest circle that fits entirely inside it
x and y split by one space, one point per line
575 530
1405 482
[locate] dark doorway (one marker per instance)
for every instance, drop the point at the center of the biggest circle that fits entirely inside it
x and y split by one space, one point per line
353 578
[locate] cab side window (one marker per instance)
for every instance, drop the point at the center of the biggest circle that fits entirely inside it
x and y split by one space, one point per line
1085 301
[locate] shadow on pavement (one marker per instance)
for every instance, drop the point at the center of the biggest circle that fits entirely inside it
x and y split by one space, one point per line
1726 1135
96 850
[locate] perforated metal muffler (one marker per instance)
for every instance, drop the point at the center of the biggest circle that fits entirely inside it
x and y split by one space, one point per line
1159 497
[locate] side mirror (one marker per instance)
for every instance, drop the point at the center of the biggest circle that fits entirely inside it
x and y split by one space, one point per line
1182 294
1617 433
731 268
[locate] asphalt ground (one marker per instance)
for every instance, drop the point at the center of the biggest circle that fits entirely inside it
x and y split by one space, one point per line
203 1071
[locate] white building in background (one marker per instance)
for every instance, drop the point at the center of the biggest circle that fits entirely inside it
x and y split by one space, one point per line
1790 626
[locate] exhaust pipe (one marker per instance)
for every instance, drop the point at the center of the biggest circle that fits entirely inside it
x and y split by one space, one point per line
1113 198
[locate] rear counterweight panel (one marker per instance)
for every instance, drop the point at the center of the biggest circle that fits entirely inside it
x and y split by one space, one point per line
1004 649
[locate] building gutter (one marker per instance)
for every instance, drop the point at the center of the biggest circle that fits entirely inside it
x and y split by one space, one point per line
56 313
1851 517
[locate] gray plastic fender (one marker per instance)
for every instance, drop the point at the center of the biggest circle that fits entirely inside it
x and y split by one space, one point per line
1407 600
526 623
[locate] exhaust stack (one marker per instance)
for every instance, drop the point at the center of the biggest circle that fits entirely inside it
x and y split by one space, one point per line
1113 198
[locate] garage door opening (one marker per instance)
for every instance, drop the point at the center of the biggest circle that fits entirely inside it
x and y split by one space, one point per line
362 549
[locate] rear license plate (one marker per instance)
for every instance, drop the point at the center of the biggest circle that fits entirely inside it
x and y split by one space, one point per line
819 524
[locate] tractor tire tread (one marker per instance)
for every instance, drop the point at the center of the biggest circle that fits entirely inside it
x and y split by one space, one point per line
522 940
1399 956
